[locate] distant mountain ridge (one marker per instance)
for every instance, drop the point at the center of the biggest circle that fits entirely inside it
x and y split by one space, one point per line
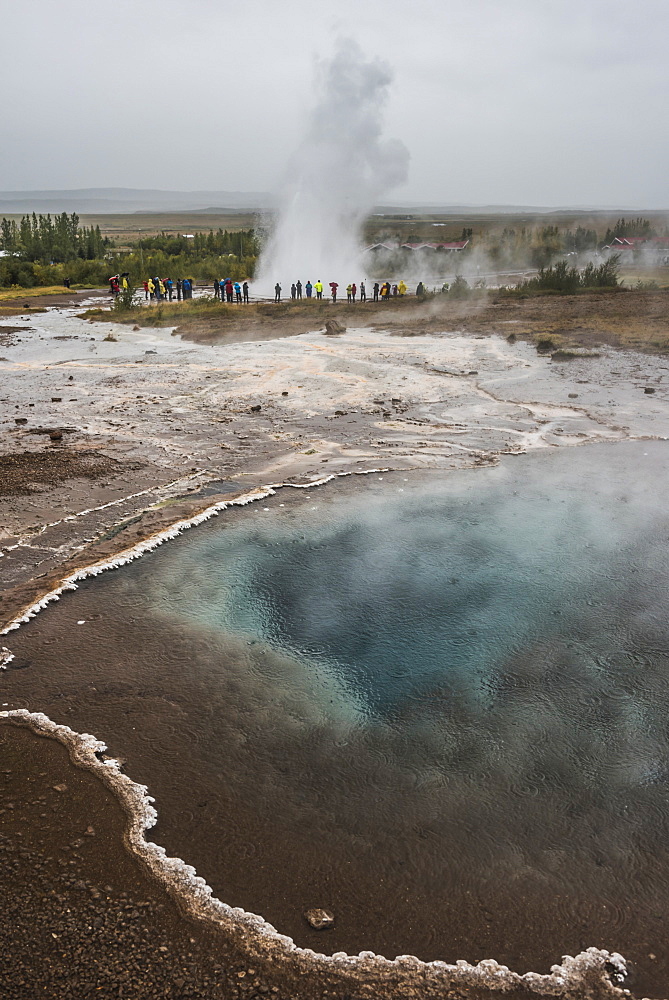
110 201
124 200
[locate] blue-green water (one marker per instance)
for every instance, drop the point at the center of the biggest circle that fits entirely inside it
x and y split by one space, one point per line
438 704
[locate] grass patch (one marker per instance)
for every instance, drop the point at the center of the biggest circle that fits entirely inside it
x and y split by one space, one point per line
9 294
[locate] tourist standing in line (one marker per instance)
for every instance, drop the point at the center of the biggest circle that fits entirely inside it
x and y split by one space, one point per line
363 293
298 286
319 289
185 288
293 291
308 289
354 290
333 290
420 289
217 289
151 287
179 283
348 293
238 293
277 292
228 290
245 290
146 290
402 288
159 295
376 291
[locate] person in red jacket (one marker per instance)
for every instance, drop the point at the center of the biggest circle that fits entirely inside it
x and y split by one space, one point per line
228 290
333 290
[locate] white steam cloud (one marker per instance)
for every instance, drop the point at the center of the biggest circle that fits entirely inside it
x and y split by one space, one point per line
336 176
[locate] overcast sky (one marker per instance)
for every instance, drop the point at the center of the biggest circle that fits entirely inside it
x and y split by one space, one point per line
499 101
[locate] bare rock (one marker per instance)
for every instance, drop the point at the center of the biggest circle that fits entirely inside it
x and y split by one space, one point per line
333 328
319 919
649 390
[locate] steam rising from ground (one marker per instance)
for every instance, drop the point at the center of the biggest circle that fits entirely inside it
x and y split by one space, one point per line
336 176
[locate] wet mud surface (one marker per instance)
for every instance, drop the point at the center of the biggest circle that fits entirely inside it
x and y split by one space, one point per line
80 916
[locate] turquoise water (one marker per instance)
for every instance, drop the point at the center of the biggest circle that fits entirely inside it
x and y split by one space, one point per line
444 590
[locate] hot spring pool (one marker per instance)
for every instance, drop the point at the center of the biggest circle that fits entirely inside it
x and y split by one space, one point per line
437 705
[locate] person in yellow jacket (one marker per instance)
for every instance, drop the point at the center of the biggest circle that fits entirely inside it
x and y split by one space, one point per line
401 288
151 287
318 288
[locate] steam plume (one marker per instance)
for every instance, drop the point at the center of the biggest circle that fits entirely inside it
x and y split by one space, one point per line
339 171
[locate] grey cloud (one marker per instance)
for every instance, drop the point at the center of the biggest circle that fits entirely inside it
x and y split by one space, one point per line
523 102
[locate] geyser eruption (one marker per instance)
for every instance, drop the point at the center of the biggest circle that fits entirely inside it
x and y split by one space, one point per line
332 182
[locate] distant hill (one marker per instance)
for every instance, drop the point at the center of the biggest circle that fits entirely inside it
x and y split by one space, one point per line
123 200
111 201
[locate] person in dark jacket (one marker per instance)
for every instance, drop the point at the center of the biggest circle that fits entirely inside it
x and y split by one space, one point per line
376 291
217 289
298 288
293 291
245 291
308 289
277 292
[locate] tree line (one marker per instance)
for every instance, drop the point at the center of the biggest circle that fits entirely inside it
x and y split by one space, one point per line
43 240
630 227
239 243
43 251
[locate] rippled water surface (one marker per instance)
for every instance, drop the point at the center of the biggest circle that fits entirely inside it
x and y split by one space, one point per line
439 706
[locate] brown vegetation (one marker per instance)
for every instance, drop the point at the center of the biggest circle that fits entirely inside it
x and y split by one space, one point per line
628 318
